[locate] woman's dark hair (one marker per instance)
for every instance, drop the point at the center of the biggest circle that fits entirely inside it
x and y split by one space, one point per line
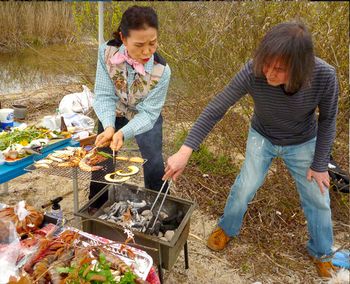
292 43
136 18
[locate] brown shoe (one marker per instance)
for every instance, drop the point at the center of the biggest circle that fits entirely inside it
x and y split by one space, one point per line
324 269
218 239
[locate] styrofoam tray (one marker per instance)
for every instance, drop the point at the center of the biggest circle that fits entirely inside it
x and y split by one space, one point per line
141 264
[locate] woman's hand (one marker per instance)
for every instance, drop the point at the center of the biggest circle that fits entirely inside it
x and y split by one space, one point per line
117 141
322 179
104 138
177 163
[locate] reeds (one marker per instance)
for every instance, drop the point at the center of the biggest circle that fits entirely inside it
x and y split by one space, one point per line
36 23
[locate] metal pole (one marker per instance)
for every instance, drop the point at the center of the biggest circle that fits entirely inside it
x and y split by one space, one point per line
100 22
76 196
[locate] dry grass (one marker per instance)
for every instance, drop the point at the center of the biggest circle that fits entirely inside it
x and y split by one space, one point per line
35 23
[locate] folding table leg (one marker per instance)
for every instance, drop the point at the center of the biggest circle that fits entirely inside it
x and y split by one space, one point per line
5 187
76 196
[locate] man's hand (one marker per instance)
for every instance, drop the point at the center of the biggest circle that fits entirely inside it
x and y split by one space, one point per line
117 141
177 163
322 179
104 138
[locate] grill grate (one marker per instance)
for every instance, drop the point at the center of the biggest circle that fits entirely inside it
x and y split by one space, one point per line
96 176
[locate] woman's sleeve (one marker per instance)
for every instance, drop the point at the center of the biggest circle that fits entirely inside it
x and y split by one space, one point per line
105 98
149 109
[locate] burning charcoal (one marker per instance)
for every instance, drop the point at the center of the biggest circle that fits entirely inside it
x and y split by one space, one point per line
137 205
169 235
162 215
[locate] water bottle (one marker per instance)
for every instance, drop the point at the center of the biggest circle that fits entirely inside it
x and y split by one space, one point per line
57 213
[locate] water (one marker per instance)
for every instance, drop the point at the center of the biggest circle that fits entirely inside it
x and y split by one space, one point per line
34 68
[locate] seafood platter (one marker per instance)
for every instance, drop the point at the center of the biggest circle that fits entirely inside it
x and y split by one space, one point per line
34 251
20 143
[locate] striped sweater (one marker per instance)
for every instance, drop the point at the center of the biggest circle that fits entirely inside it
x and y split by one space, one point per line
283 119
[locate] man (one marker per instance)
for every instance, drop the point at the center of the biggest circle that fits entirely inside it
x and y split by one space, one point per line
287 83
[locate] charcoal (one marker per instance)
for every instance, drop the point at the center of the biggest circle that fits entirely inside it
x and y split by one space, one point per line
169 235
147 207
164 228
163 215
174 219
136 205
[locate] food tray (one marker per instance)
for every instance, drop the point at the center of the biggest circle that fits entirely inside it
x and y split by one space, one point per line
141 264
54 143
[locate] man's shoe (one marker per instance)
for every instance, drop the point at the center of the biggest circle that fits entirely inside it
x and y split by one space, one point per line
218 239
324 269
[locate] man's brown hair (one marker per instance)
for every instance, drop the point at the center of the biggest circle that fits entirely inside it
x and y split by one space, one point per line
292 43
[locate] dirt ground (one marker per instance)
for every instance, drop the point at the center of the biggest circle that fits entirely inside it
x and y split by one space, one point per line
205 266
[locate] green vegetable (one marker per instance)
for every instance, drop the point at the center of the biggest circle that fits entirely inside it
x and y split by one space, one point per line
128 278
101 270
104 154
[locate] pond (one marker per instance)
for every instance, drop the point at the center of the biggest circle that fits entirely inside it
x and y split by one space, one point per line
33 68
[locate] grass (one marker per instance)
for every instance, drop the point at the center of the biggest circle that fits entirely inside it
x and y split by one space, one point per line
207 161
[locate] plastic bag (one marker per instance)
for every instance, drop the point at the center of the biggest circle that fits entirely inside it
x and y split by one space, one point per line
79 121
21 211
77 102
10 249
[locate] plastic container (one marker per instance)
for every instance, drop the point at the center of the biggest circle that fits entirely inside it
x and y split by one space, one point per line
20 111
6 117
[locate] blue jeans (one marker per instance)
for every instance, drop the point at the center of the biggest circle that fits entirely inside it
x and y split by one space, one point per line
150 145
298 159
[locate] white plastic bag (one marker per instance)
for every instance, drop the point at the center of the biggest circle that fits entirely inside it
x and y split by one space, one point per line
79 121
77 102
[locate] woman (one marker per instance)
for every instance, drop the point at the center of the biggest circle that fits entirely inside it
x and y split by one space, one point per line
287 83
130 89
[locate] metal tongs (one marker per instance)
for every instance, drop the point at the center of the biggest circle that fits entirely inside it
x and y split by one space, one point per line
161 204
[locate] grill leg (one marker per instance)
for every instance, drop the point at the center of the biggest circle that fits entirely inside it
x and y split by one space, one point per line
160 269
160 272
186 255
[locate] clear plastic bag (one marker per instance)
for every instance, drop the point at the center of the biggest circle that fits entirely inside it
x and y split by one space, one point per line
10 249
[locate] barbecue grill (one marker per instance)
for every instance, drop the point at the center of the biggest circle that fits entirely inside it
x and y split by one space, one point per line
163 253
